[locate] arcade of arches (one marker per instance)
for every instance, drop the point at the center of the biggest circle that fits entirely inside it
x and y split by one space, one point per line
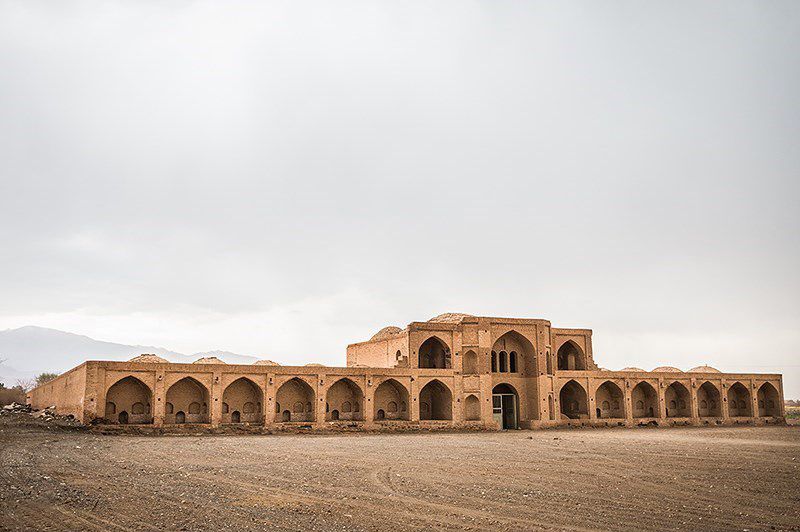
450 371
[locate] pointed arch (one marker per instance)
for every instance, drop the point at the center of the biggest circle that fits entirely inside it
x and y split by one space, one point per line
571 357
739 403
190 398
346 398
434 354
243 396
573 399
644 400
123 395
676 397
391 399
437 400
516 353
768 401
709 403
298 397
609 401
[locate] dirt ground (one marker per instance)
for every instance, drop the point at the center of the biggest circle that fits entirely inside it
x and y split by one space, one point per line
582 479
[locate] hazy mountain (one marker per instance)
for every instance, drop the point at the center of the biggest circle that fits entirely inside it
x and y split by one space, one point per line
30 350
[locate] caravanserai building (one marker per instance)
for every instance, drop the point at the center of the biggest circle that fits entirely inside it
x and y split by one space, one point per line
454 370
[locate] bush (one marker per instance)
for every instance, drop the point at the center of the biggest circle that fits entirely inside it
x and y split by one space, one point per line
12 395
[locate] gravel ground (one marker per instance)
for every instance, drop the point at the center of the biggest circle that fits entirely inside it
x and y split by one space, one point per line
62 478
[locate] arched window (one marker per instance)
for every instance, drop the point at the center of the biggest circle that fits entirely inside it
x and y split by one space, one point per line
503 362
494 362
512 362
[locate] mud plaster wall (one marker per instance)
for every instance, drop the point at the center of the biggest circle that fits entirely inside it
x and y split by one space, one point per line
67 393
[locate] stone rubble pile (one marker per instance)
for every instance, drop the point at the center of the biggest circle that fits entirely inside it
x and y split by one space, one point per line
46 414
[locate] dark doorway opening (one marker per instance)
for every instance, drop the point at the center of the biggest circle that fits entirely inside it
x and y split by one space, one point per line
505 406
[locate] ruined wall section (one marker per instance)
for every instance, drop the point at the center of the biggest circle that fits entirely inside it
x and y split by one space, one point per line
385 353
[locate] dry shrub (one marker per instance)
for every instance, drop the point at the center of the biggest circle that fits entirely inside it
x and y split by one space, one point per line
11 395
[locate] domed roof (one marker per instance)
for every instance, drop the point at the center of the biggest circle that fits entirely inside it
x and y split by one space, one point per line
704 369
386 332
145 357
450 317
265 362
631 368
315 365
667 369
208 360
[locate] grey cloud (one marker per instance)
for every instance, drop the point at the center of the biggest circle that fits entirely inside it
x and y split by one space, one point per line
173 173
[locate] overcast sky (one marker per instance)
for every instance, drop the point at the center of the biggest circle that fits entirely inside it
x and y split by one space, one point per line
282 178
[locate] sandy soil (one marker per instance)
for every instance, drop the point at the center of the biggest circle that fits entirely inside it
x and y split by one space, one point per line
647 479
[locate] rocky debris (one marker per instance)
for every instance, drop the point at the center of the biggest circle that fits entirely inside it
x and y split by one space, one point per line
16 408
48 414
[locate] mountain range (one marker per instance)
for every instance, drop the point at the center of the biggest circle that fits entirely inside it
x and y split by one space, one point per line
30 350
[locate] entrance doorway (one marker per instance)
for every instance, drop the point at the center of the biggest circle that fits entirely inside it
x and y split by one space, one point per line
505 406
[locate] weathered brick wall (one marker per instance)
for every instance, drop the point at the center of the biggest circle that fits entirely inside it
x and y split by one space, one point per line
66 392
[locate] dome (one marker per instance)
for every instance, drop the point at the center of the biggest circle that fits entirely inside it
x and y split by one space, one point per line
667 369
450 317
265 362
704 369
208 360
631 368
148 358
315 365
386 332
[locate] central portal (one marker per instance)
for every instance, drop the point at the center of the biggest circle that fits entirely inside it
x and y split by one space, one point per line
505 406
